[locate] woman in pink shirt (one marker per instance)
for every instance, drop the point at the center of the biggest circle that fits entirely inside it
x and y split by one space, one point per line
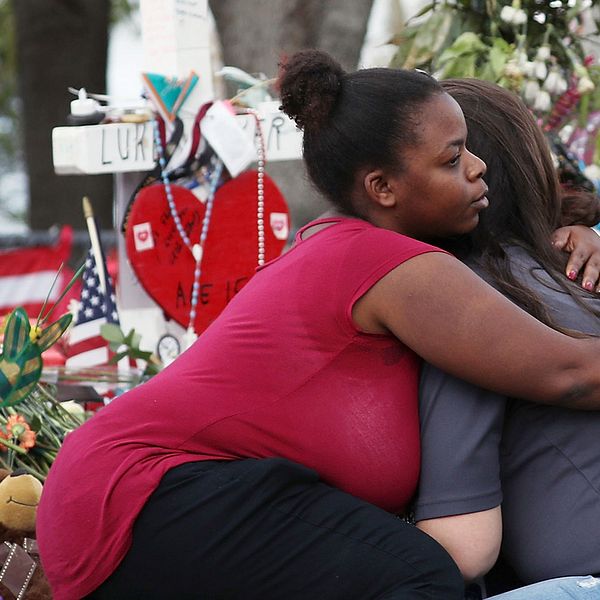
270 459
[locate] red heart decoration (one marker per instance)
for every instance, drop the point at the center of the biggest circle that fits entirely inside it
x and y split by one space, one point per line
164 265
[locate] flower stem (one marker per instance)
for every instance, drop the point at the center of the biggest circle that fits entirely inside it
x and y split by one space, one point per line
31 470
12 446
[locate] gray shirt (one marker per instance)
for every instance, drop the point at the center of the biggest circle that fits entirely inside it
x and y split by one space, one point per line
542 463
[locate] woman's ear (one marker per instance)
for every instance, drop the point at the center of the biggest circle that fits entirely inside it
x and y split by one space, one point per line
379 188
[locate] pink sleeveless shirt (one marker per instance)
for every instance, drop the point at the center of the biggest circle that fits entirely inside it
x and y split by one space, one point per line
282 372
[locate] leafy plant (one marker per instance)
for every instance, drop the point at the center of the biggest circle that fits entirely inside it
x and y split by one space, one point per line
31 437
128 346
536 48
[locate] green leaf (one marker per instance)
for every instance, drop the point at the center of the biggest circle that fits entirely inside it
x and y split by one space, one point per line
442 37
461 66
112 333
143 354
498 56
117 357
404 41
132 339
151 369
35 423
135 339
423 48
466 43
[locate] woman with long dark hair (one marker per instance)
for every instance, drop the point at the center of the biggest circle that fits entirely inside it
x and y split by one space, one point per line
480 449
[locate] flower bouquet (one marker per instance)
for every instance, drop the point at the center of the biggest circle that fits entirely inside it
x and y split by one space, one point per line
31 436
540 49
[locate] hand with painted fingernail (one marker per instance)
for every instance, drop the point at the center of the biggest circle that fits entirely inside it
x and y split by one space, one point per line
583 246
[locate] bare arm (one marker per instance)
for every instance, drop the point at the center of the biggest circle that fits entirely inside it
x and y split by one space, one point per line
453 319
472 540
461 430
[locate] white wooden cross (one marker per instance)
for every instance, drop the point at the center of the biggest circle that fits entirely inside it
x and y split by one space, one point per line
175 39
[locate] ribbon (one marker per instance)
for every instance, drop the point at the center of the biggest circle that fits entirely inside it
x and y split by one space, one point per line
17 566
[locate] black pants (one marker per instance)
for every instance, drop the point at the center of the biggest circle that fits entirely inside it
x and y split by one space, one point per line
270 530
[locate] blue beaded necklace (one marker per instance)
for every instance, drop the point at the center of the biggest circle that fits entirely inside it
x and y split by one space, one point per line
197 250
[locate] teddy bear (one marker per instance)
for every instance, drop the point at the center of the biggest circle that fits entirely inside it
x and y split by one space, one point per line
21 574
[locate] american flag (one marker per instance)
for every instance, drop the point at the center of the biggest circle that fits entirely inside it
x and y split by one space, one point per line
86 347
27 274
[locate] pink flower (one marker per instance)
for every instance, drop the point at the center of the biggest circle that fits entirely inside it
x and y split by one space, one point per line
4 436
27 439
16 424
19 429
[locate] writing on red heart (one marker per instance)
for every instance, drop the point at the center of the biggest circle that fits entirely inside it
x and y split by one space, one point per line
165 266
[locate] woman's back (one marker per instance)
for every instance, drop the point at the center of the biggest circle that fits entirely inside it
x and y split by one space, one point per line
480 449
550 462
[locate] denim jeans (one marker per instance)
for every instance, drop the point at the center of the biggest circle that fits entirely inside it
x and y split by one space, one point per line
562 588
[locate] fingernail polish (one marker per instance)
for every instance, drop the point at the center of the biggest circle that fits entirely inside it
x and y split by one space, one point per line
572 275
588 285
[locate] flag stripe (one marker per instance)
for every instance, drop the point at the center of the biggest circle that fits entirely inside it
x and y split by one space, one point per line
85 331
86 358
26 274
27 288
88 344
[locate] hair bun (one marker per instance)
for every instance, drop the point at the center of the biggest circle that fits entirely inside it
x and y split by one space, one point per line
309 84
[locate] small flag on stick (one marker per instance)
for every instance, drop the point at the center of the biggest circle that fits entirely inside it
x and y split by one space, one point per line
87 347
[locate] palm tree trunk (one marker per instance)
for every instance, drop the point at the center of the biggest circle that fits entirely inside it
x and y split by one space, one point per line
255 34
60 43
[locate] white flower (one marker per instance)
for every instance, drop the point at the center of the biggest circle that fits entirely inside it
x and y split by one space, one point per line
528 68
521 58
543 52
585 85
543 102
512 15
531 90
73 408
555 83
566 132
507 13
540 70
512 69
519 17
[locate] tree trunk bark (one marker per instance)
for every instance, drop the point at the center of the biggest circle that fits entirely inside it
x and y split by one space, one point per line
60 43
255 34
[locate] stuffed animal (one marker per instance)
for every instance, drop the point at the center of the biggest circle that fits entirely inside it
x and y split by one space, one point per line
21 575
